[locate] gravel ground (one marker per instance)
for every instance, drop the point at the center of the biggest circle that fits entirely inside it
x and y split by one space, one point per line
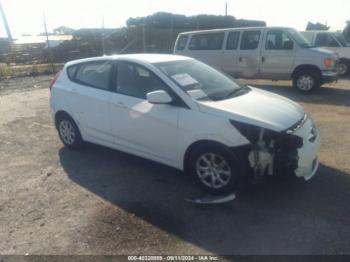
100 201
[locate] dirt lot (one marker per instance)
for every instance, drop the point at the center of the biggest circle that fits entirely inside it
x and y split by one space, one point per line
100 201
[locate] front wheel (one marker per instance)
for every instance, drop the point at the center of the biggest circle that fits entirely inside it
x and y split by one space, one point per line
343 68
306 81
215 169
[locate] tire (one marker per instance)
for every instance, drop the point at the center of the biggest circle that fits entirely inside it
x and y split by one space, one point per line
343 68
215 169
69 132
306 81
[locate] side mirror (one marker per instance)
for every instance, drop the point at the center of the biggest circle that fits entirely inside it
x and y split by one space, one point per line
159 97
288 45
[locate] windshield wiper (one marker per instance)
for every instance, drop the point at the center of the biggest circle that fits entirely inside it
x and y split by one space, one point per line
235 92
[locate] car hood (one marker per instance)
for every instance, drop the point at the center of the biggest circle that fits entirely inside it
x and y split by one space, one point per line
324 51
257 107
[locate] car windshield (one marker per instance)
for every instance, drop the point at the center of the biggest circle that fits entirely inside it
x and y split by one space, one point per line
341 39
201 81
299 38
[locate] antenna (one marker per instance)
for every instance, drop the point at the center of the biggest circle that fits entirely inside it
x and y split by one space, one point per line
226 9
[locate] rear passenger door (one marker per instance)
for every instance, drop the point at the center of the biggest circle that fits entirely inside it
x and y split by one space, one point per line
231 53
89 99
208 48
249 53
278 54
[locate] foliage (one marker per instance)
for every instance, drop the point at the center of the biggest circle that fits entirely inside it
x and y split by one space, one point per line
318 26
63 30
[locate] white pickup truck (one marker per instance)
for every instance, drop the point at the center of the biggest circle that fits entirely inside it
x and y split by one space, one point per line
335 42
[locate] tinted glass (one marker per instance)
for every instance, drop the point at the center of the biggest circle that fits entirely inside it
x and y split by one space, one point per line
207 41
95 74
250 40
326 40
137 81
181 43
232 40
71 71
278 40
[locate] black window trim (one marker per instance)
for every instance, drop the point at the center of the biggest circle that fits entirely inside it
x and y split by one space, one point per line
75 80
177 100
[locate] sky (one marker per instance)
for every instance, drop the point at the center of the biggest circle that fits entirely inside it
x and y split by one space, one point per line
26 16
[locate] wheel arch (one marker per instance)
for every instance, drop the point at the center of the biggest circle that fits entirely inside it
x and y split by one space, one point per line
61 113
306 67
204 143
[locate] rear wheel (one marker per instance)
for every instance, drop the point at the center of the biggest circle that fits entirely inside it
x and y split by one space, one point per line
215 169
306 81
68 132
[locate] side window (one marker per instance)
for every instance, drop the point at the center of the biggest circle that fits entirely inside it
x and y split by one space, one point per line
278 40
94 74
71 71
211 41
137 81
232 40
325 40
181 43
250 40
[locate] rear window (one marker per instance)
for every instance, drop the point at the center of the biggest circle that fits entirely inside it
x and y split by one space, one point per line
212 41
94 74
71 71
250 40
181 43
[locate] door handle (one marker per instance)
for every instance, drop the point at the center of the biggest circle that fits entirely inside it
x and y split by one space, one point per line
240 59
73 90
263 59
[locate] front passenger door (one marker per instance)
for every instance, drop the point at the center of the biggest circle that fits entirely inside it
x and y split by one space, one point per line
149 130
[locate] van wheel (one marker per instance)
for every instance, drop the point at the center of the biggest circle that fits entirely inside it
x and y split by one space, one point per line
306 81
69 132
215 169
343 68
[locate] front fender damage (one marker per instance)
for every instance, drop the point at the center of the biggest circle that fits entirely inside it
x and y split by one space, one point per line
292 152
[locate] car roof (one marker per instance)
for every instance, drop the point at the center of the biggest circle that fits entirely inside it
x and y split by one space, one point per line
143 58
233 29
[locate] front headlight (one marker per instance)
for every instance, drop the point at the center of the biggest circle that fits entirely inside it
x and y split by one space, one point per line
329 62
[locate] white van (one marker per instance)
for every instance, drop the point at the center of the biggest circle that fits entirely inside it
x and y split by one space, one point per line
335 42
275 53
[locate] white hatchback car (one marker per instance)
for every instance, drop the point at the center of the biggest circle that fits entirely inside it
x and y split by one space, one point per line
180 112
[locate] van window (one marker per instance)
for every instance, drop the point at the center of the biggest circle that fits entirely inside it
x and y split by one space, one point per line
278 40
212 41
181 43
232 40
94 74
250 40
324 39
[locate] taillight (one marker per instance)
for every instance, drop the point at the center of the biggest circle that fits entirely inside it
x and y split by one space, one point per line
54 80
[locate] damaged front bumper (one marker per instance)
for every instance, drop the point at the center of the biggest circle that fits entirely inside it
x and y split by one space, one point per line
308 154
291 152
